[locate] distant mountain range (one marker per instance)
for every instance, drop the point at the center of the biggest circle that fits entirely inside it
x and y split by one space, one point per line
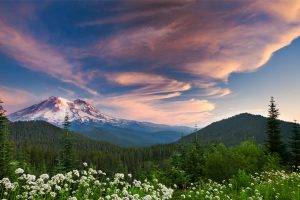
92 123
236 129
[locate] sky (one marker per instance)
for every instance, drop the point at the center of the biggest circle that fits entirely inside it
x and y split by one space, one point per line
173 62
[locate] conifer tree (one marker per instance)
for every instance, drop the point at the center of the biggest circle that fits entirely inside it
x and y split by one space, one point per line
295 145
5 150
274 142
68 155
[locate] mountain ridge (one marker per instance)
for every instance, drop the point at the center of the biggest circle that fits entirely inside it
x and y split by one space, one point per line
235 129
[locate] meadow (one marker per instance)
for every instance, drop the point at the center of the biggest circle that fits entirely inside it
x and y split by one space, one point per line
95 184
267 185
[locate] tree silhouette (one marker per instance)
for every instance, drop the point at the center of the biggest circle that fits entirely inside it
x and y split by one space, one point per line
5 148
274 142
68 154
295 145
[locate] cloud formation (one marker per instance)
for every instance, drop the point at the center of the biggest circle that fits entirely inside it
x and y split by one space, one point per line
149 84
206 39
39 56
15 98
136 107
163 55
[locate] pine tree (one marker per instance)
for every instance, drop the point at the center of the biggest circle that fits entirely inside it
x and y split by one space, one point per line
5 150
295 145
274 143
68 155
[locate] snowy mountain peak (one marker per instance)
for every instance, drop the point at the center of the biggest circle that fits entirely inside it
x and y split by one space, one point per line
54 110
55 103
89 121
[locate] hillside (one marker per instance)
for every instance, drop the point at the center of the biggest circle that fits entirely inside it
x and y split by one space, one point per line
39 143
47 136
236 129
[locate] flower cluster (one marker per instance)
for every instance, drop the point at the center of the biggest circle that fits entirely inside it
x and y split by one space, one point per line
267 185
84 184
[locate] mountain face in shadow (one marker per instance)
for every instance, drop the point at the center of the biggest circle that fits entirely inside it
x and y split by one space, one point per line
236 129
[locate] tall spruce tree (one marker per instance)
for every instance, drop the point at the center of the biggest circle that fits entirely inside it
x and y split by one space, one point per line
5 150
274 142
68 154
295 145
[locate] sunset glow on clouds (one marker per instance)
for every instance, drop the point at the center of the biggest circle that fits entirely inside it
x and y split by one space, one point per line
166 62
15 97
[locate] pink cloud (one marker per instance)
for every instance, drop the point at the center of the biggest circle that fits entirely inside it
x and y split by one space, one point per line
15 99
207 41
187 112
150 83
288 10
147 103
39 56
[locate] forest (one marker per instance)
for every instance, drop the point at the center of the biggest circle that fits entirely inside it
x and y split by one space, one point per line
41 161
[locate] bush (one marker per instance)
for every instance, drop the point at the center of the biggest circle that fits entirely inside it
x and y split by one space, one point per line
218 162
183 167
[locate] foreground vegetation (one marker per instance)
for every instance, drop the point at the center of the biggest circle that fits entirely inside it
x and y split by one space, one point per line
84 184
267 185
94 184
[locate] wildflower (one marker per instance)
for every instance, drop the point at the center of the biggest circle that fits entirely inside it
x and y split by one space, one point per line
19 171
44 176
53 194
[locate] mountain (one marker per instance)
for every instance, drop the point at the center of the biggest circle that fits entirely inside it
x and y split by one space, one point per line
236 129
90 122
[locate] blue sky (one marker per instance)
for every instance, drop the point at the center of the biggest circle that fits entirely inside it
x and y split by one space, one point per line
173 62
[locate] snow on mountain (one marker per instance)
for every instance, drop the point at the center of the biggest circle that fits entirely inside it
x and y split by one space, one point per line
54 110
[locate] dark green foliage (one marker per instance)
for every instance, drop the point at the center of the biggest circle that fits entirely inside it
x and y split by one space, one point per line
295 145
191 161
42 143
274 142
5 146
216 162
184 166
67 154
236 129
221 162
